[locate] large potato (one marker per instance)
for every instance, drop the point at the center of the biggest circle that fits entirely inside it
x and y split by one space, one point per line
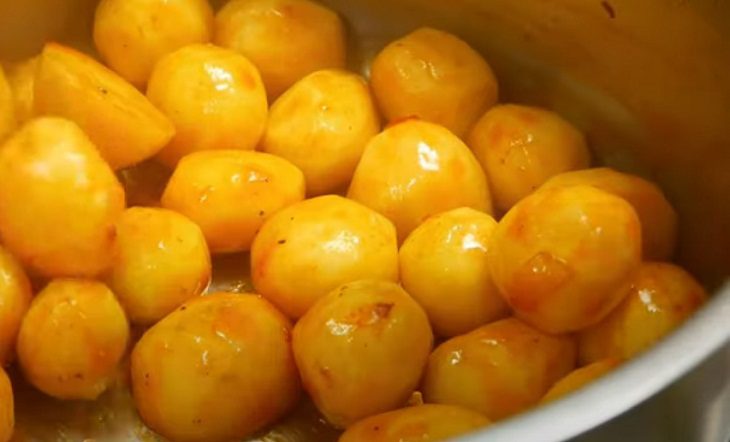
15 297
579 378
7 107
7 411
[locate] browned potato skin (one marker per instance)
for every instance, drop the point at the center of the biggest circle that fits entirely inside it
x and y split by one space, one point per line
428 422
499 369
656 300
7 404
7 107
361 350
15 297
218 368
579 378
21 78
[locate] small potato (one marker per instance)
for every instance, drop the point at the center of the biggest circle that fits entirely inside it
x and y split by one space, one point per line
214 97
15 297
285 39
521 147
310 248
443 265
7 408
160 261
435 76
7 107
122 123
658 218
322 125
72 339
230 193
21 78
132 35
361 350
579 378
217 369
499 369
59 200
429 422
559 256
656 300
416 169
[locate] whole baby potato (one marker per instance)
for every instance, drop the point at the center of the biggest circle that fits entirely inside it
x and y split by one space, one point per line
361 350
219 368
21 78
7 408
579 378
7 107
15 298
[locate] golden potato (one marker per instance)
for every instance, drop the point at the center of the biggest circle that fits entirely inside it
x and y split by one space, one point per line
443 265
361 350
310 248
433 75
218 368
521 147
7 408
21 78
132 35
15 297
429 422
7 107
285 39
559 256
656 300
499 369
658 218
59 200
214 97
160 261
72 339
322 125
230 193
122 123
416 169
579 378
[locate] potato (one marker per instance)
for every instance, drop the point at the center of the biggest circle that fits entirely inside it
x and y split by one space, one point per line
579 378
21 78
521 147
416 169
7 405
160 261
361 350
59 200
310 248
559 256
132 35
285 39
72 339
658 218
435 76
499 369
218 368
230 193
322 125
122 123
214 97
656 300
15 297
7 107
432 422
443 265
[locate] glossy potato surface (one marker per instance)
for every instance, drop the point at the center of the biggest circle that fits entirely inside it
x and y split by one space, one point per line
7 404
21 78
7 107
579 378
15 297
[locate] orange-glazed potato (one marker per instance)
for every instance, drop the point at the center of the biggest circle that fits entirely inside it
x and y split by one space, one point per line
230 193
499 369
132 35
656 300
416 169
72 339
428 422
217 369
160 261
361 350
658 218
322 125
59 200
308 249
21 78
444 266
7 408
520 147
435 76
559 256
285 39
579 378
122 123
7 107
15 297
214 97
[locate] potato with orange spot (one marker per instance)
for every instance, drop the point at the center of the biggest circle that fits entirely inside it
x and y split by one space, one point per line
217 369
21 78
213 96
7 107
656 300
499 369
7 408
72 339
579 378
559 256
521 147
361 350
416 169
15 298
